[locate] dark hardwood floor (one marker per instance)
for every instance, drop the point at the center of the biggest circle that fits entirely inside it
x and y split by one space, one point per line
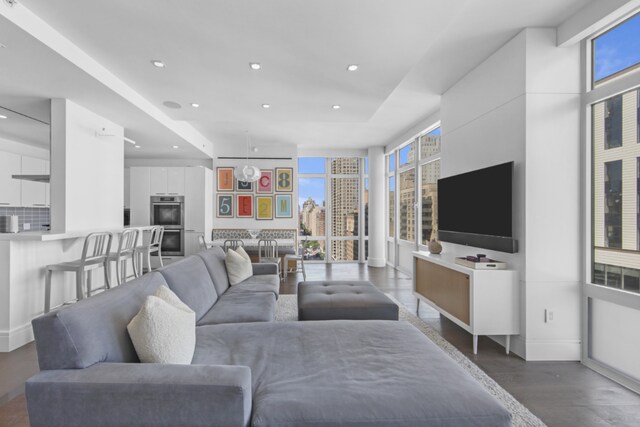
560 393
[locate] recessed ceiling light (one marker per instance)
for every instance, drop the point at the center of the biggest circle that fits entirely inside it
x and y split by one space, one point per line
266 106
194 105
158 63
335 107
176 146
255 65
137 146
171 104
352 67
2 117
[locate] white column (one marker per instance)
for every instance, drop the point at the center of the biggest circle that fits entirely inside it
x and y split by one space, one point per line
376 208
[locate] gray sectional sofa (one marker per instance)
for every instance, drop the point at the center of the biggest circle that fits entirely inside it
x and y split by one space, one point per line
246 370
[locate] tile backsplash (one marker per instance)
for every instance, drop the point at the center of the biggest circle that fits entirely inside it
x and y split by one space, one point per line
36 217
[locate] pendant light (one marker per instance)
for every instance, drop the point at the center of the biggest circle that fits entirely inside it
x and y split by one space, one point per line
247 173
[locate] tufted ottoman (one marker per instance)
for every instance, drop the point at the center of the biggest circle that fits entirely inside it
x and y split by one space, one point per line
357 300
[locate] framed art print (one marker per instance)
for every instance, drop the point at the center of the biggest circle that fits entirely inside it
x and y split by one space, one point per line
264 207
265 183
244 187
283 206
284 179
225 179
225 206
244 206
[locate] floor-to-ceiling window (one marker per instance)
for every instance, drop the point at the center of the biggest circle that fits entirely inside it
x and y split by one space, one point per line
333 207
413 169
612 293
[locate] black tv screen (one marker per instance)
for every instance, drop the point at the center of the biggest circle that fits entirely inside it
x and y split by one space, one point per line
476 203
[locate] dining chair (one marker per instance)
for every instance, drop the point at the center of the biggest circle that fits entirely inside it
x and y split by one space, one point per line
232 244
94 255
299 259
268 252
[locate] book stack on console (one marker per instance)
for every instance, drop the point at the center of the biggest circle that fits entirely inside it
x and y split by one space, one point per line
481 262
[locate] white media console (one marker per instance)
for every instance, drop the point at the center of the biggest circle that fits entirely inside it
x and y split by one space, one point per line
483 302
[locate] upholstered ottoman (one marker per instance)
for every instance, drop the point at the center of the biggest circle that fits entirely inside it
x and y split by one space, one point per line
358 300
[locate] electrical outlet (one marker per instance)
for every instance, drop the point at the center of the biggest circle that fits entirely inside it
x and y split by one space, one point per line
26 226
548 315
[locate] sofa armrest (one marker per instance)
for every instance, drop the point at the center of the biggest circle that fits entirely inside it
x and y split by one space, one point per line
125 394
264 268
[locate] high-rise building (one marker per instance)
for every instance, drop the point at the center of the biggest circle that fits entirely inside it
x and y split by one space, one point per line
345 202
616 174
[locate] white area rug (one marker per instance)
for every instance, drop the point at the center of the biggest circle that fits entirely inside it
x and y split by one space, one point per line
287 310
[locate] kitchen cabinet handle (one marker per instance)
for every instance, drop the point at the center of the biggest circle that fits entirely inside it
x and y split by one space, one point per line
173 194
5 204
189 230
39 204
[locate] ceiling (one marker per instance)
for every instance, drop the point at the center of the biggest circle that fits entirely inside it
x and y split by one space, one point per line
409 52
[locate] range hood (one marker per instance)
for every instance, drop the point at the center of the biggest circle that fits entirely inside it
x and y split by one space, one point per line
35 178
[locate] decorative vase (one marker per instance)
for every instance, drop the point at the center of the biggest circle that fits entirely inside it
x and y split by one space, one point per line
435 247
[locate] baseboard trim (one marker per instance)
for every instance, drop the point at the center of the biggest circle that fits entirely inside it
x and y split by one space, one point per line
566 351
16 338
376 262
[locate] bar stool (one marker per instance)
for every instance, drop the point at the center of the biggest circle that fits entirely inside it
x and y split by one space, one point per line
126 252
298 258
268 252
154 246
232 244
94 255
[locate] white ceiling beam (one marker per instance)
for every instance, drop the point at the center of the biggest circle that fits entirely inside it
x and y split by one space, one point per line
592 18
30 23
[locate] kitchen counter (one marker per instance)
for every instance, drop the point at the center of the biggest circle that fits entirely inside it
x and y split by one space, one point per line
44 236
23 259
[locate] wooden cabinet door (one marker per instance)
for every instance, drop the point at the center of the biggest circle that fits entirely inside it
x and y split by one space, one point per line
448 289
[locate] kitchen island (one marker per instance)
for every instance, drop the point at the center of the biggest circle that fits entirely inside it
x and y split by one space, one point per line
23 258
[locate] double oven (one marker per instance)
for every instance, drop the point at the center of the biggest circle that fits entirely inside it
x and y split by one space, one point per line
168 211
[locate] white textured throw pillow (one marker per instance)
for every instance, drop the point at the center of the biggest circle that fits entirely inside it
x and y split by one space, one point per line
244 253
164 330
239 268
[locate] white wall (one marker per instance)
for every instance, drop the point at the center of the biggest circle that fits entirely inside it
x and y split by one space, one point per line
87 171
283 151
522 105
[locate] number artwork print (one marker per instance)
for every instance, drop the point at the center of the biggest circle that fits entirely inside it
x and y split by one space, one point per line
225 206
284 179
264 208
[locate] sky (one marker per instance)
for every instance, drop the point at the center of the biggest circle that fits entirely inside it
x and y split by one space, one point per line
617 49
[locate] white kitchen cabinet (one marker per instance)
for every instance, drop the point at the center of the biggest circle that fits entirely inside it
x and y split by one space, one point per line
175 181
194 200
167 181
9 187
140 196
33 194
158 183
127 187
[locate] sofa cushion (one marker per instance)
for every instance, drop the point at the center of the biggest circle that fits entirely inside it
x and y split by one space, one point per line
241 308
349 373
95 329
164 330
214 261
191 282
238 267
261 283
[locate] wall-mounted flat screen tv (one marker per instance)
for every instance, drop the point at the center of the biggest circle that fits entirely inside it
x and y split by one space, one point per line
475 208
